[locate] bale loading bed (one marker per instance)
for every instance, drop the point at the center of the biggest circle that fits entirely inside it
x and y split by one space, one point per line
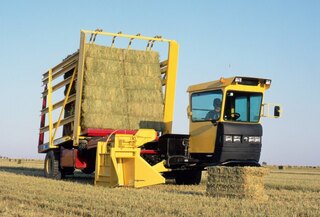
107 88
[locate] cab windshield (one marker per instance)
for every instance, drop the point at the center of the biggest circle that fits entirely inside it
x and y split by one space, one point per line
242 106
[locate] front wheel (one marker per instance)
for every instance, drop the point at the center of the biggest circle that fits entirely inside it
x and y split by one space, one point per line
51 165
188 177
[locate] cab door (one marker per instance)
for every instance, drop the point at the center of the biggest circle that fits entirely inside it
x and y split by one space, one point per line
202 129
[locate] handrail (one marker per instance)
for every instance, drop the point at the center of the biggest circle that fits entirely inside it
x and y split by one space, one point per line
63 122
119 34
61 67
71 98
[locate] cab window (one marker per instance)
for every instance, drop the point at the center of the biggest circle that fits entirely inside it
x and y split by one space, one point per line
242 106
202 105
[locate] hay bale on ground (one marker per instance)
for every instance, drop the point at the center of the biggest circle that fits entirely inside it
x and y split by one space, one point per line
237 182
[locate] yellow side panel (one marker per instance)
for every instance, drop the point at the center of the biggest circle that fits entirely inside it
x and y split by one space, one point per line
120 164
159 167
202 137
126 173
105 173
170 85
145 175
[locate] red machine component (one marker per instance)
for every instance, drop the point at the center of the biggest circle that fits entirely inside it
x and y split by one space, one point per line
149 152
105 132
72 158
79 163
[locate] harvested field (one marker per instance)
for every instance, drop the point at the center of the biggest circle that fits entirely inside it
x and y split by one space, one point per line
24 192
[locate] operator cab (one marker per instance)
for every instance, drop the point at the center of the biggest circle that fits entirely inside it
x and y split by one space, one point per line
225 120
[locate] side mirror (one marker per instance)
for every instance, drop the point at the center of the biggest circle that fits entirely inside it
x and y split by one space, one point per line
277 111
267 109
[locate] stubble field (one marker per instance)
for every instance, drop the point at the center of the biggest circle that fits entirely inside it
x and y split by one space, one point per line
292 191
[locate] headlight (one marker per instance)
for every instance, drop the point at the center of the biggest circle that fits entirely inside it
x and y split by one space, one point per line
236 138
254 139
251 138
257 139
228 138
238 80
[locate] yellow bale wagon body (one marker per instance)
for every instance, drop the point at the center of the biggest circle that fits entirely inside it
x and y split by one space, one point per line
74 125
110 110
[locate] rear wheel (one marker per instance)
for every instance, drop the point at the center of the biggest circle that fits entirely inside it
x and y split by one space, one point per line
188 177
51 165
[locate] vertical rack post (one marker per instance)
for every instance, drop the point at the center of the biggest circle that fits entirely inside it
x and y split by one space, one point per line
50 107
77 115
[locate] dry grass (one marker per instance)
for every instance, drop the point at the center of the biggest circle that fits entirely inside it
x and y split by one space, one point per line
24 192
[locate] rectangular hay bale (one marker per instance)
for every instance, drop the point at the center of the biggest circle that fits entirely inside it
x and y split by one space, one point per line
142 69
122 89
238 182
103 52
139 56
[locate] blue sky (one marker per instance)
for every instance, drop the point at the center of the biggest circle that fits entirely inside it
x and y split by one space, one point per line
279 40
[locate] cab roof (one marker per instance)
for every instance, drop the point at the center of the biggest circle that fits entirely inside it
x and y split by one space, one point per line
224 82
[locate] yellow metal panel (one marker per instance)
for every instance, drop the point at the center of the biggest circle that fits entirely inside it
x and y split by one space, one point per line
105 172
127 172
124 153
170 85
238 87
225 83
202 137
126 36
160 168
101 148
211 85
50 108
120 164
77 128
145 175
143 136
115 166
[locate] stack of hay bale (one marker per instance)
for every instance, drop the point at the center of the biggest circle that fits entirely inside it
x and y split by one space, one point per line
237 182
122 89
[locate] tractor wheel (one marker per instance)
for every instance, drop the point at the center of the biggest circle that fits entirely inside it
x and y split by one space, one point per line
188 177
51 165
